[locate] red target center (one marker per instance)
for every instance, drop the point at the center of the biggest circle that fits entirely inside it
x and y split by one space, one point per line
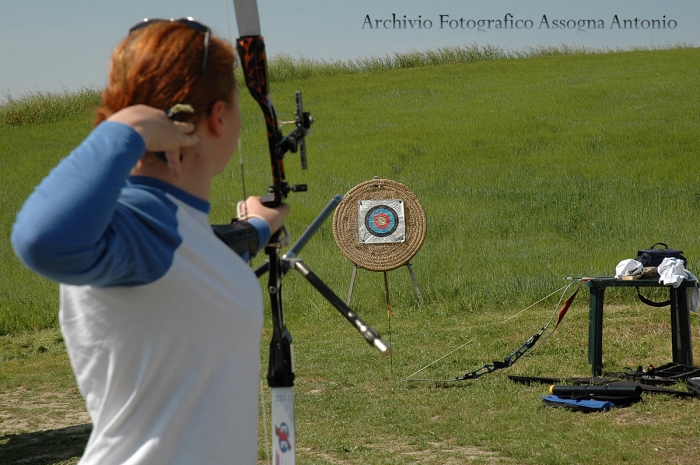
381 220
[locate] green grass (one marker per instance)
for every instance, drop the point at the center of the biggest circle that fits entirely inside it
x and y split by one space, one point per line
530 170
28 301
46 107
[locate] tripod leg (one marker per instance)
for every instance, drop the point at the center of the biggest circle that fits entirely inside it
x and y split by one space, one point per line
415 283
352 284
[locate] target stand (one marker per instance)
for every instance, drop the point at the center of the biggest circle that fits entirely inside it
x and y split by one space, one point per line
380 225
386 284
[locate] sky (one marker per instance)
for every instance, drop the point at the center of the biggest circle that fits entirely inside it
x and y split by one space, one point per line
57 45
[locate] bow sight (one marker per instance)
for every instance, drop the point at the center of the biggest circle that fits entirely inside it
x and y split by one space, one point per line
292 142
295 140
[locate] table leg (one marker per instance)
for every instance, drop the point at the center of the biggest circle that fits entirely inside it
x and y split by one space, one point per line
680 327
595 330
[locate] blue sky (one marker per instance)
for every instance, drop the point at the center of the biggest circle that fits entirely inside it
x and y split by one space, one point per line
50 45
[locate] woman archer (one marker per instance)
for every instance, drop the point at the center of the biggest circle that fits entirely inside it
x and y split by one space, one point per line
162 321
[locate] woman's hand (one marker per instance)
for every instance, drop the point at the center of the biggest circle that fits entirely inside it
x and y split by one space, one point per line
159 133
253 207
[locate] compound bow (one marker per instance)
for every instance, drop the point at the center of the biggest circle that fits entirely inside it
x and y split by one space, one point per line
280 375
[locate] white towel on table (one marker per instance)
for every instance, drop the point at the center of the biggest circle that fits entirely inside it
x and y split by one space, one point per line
672 272
628 267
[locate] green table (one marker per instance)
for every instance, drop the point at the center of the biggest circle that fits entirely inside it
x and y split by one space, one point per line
680 318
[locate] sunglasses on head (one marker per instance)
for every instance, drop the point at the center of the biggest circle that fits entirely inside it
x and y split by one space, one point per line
189 22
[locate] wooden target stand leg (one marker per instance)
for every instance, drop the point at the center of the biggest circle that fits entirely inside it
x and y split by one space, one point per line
415 283
388 305
410 272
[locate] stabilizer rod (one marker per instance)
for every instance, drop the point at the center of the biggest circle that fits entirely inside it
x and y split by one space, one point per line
369 333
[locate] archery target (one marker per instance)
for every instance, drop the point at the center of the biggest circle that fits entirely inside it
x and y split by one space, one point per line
379 225
381 221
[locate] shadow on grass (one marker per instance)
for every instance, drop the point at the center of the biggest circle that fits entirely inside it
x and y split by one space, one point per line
45 447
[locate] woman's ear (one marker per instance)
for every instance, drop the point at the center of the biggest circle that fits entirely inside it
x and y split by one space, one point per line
215 120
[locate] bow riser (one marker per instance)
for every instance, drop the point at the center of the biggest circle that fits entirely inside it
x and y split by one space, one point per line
251 51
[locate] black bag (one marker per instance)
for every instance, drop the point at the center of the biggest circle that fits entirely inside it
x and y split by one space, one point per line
650 260
653 256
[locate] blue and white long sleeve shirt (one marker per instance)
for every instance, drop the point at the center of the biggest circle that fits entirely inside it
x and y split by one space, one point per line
162 321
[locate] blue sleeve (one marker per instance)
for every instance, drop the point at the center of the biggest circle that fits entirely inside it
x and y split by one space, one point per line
72 229
263 230
262 237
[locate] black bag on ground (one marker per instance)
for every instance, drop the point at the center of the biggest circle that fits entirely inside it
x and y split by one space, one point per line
653 256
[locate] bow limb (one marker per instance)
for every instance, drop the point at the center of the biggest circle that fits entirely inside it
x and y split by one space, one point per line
567 304
251 51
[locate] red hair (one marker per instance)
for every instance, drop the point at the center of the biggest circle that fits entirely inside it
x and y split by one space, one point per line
160 65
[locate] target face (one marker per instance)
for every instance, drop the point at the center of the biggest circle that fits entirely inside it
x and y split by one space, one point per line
381 221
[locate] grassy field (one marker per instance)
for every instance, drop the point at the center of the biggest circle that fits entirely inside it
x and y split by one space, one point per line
530 170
